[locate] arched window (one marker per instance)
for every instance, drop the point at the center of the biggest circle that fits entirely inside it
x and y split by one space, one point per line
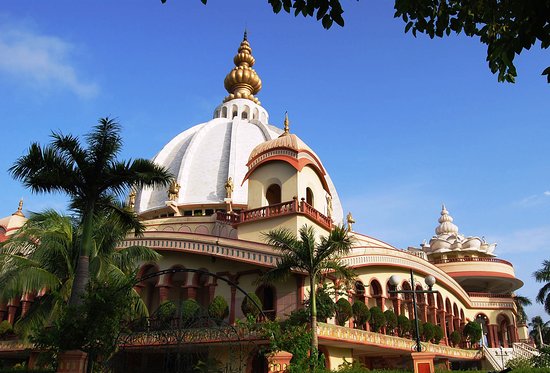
359 293
376 294
309 196
268 298
224 112
273 194
177 282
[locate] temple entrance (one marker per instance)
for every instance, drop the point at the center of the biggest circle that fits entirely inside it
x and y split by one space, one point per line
185 337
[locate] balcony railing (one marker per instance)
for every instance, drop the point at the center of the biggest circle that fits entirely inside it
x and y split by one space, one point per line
489 295
279 209
470 259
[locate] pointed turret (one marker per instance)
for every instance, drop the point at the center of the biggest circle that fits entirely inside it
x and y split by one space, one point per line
446 225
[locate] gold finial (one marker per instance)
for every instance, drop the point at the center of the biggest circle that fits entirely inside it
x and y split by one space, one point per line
287 128
242 81
174 191
132 199
19 211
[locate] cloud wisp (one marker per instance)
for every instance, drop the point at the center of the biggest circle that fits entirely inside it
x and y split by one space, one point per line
523 240
535 199
42 61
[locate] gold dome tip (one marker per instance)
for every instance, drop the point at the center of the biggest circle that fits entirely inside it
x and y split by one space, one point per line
19 211
242 81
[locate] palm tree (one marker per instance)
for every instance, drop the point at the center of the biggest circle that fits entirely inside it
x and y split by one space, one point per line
521 302
42 258
310 256
543 275
89 176
538 328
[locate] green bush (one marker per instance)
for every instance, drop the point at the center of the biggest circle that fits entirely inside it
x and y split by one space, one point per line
391 321
343 311
189 309
377 319
429 331
249 308
218 309
438 334
5 328
166 311
403 325
326 308
519 363
361 313
420 328
472 331
455 338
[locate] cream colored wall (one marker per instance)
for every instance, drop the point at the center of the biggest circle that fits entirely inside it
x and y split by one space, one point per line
276 172
337 356
253 231
307 178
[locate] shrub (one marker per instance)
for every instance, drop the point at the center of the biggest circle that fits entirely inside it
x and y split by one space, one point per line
5 328
472 331
429 331
420 328
343 311
391 320
249 308
361 313
438 334
166 311
455 338
377 319
403 325
519 363
189 309
218 309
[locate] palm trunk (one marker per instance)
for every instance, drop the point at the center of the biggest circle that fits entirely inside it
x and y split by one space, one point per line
314 339
82 273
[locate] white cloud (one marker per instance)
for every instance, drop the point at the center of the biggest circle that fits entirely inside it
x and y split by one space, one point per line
534 200
41 60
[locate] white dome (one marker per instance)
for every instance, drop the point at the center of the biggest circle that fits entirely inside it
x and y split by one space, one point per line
203 157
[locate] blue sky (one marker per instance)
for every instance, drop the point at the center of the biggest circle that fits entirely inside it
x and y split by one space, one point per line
402 124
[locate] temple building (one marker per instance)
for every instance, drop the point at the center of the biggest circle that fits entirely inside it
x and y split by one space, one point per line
238 176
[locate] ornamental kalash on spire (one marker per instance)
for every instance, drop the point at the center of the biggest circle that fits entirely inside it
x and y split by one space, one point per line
243 81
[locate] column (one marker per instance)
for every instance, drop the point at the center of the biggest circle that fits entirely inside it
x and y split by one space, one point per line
442 318
232 306
396 305
164 291
492 336
3 311
26 303
433 315
191 292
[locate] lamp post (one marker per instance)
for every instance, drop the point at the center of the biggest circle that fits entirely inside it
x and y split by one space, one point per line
430 281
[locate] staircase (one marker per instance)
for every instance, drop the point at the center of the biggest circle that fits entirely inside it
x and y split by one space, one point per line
498 357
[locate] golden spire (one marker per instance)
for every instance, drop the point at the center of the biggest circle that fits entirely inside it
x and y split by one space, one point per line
286 128
19 211
242 81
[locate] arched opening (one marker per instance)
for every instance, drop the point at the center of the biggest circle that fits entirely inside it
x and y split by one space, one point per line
217 114
234 112
359 292
224 112
449 317
376 294
149 291
244 115
422 307
432 317
309 196
407 305
246 112
273 194
504 332
394 297
456 318
268 297
256 113
483 320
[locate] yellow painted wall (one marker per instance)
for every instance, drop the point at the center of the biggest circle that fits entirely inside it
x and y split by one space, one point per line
276 172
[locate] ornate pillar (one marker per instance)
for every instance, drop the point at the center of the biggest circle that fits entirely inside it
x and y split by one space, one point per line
278 362
164 291
26 303
424 312
232 306
442 318
191 292
381 302
433 315
493 343
396 305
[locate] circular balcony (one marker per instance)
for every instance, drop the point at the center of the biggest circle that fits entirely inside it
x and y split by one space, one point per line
477 274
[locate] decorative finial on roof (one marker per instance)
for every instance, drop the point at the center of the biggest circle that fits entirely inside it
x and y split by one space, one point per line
287 127
446 225
242 81
19 211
